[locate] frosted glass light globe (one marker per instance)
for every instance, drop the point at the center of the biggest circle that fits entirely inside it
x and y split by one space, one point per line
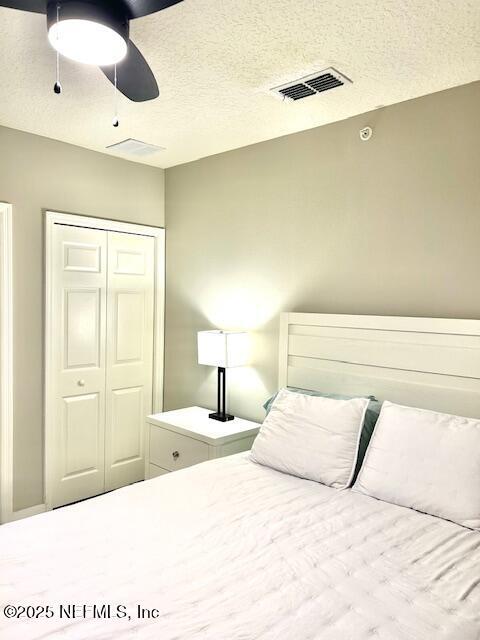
87 41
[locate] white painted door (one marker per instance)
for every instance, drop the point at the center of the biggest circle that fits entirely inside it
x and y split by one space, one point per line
103 308
79 328
130 310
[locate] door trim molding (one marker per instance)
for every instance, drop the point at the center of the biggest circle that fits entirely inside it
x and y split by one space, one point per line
6 363
158 233
28 512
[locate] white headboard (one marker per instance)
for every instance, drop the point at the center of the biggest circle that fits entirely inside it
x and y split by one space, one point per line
431 363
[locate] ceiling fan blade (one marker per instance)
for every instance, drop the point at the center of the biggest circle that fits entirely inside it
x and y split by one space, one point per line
139 8
135 79
36 6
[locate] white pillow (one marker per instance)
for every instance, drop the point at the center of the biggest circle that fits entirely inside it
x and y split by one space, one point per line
425 460
312 437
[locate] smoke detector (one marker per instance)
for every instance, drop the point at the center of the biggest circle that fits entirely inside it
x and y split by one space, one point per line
366 133
311 85
132 147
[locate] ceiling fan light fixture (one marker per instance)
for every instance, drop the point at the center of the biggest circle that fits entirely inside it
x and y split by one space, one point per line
87 41
96 32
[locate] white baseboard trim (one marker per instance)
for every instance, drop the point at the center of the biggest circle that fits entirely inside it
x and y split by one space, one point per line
26 513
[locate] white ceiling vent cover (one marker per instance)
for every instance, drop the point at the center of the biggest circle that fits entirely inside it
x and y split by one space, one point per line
133 147
311 85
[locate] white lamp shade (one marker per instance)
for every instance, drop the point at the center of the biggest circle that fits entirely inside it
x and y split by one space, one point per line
222 348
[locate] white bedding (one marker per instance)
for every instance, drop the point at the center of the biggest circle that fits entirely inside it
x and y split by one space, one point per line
231 550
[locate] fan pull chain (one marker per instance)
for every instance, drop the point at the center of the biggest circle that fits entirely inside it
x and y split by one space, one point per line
115 121
57 87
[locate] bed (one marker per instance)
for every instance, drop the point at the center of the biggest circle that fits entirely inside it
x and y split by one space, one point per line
233 550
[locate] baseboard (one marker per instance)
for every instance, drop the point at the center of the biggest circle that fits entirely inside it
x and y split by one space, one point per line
26 513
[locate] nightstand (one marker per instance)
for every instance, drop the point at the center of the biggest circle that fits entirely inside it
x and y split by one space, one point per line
181 438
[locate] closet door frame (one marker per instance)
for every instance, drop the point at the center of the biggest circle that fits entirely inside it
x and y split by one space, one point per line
6 363
158 233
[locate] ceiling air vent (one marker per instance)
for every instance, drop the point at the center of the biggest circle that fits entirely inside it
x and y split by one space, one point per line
133 147
312 85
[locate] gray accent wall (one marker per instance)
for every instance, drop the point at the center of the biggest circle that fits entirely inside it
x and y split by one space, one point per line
320 221
37 174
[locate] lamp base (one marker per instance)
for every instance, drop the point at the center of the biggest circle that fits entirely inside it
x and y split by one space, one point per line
221 417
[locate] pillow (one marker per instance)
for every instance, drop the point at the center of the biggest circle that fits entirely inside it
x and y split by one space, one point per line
427 461
308 392
371 417
312 437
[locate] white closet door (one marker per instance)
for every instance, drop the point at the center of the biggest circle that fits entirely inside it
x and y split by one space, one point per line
130 313
79 329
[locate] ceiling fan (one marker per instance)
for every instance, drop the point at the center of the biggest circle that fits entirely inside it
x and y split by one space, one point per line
97 32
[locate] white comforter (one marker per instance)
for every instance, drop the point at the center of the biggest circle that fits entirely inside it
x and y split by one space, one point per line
231 550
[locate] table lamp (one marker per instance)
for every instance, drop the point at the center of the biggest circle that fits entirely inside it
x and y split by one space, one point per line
222 349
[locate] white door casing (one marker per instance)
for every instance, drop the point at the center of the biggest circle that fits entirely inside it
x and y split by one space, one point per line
128 374
79 324
130 315
6 364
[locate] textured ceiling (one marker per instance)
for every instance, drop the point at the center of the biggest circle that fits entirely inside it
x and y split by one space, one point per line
215 59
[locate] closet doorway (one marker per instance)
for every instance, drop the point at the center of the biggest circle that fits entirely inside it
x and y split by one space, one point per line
103 352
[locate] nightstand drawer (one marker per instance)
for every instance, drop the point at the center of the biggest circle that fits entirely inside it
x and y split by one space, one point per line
183 437
164 445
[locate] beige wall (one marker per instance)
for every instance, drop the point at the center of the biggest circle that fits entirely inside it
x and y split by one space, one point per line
37 174
320 221
316 221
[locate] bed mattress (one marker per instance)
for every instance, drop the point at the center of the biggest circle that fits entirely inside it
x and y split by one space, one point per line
232 550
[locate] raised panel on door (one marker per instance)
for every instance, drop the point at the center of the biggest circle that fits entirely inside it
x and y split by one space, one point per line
81 448
82 328
80 434
129 322
129 373
79 325
127 406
